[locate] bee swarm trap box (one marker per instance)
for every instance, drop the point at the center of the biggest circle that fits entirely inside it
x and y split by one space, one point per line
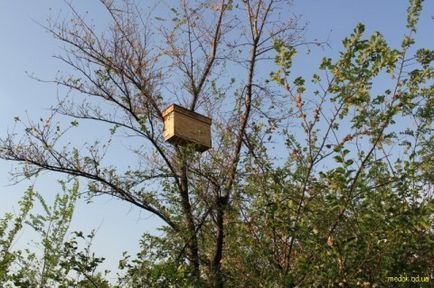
184 127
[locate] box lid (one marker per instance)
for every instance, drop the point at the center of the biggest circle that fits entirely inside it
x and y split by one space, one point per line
186 112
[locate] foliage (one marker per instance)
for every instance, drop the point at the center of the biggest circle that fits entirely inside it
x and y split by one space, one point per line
350 202
61 262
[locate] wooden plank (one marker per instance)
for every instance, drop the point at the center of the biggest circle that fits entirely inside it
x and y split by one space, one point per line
186 112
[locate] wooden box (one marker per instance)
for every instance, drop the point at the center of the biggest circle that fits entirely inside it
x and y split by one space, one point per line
184 127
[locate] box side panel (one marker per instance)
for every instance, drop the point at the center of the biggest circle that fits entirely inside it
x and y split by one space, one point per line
169 126
194 115
192 130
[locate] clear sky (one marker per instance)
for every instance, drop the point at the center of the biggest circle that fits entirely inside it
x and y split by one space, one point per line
25 46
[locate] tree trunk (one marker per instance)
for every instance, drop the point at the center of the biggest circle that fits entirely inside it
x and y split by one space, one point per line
217 275
191 227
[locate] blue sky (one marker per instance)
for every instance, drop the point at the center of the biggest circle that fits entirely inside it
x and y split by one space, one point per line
25 46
